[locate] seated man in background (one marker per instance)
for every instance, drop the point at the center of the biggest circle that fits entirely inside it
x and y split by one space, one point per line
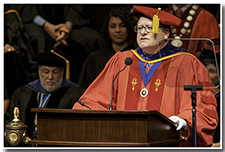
49 25
51 90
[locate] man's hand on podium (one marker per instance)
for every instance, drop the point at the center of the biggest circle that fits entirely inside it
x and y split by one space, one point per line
179 123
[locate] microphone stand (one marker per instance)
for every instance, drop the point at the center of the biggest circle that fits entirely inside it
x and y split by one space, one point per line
193 89
127 62
110 108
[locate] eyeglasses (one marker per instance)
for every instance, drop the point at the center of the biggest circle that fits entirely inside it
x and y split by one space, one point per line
138 28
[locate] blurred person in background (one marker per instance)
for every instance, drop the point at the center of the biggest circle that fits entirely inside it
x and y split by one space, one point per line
19 68
55 25
117 35
196 23
211 60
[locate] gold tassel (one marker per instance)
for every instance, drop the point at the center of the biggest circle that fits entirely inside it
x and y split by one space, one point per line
155 27
67 65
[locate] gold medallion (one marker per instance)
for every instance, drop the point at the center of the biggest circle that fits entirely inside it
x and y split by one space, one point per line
13 137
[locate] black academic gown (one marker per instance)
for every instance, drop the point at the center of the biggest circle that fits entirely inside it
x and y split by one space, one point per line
25 98
82 34
19 68
94 64
83 39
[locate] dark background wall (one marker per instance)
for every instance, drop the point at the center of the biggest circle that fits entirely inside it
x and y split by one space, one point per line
99 11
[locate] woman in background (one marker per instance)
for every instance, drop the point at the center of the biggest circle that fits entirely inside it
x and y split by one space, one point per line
117 35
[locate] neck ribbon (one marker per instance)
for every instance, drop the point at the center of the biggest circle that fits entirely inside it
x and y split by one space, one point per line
166 51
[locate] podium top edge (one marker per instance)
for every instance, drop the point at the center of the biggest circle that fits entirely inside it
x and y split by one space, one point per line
132 113
53 110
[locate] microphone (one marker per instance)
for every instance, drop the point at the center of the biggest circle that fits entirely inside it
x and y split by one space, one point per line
83 104
128 61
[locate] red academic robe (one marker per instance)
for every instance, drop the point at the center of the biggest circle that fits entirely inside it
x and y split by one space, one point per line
162 93
203 25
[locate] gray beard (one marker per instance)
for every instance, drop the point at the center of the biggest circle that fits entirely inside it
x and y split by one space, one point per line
52 88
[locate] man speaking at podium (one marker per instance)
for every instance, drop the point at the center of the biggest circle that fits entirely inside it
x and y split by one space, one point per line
153 77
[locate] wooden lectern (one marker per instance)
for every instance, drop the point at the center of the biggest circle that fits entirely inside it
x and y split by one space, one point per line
67 127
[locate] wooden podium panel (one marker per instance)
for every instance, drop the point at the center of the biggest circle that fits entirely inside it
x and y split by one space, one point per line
67 127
